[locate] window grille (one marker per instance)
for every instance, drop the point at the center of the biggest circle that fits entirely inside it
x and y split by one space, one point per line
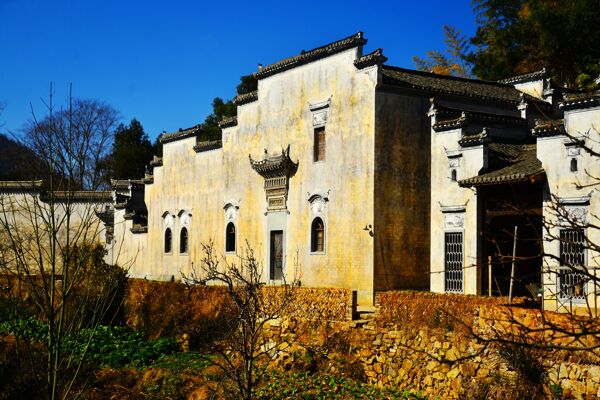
572 258
453 243
319 149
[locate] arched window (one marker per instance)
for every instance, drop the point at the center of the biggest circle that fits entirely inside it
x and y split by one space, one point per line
183 241
230 238
453 175
573 165
168 240
317 235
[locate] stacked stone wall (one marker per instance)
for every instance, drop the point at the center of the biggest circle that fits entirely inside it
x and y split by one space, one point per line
175 309
455 346
440 344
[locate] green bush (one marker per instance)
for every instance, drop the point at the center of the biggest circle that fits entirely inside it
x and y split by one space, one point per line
282 385
117 347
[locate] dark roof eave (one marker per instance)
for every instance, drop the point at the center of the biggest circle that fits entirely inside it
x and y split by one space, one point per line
228 122
478 181
580 100
78 196
306 57
529 77
182 134
208 145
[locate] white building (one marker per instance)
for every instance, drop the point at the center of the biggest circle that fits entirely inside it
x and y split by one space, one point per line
515 186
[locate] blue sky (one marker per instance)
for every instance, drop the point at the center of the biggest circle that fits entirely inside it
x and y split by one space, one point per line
163 62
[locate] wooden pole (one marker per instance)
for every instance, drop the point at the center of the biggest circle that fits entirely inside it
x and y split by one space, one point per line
512 269
489 276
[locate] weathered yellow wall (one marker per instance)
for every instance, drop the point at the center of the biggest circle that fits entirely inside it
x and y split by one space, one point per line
204 182
402 191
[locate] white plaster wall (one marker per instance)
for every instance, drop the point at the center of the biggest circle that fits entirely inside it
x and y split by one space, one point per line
446 193
564 184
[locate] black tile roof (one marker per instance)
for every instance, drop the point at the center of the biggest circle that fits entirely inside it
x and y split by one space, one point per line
454 118
532 76
156 161
180 134
374 58
79 196
20 185
306 57
443 84
275 165
228 122
573 101
548 127
208 145
245 98
521 165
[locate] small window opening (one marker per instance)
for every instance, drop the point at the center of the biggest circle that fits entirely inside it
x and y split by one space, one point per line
453 175
168 240
230 238
574 165
319 145
317 242
183 241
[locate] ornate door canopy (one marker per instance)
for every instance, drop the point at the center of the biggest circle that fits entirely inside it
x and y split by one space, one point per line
277 170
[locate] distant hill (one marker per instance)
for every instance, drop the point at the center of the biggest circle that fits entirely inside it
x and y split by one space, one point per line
17 162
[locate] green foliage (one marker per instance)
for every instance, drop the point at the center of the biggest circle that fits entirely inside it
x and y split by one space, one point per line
281 385
248 84
117 347
520 36
209 130
132 151
114 347
452 62
24 326
179 363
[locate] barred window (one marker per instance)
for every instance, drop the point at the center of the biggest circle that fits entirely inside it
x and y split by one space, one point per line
572 259
453 272
319 145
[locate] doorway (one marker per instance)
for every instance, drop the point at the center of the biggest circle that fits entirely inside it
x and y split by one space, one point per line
276 263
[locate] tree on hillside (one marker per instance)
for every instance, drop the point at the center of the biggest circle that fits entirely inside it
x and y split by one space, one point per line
76 140
53 278
131 151
520 36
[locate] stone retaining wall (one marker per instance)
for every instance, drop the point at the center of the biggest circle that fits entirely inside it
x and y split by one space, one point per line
430 342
